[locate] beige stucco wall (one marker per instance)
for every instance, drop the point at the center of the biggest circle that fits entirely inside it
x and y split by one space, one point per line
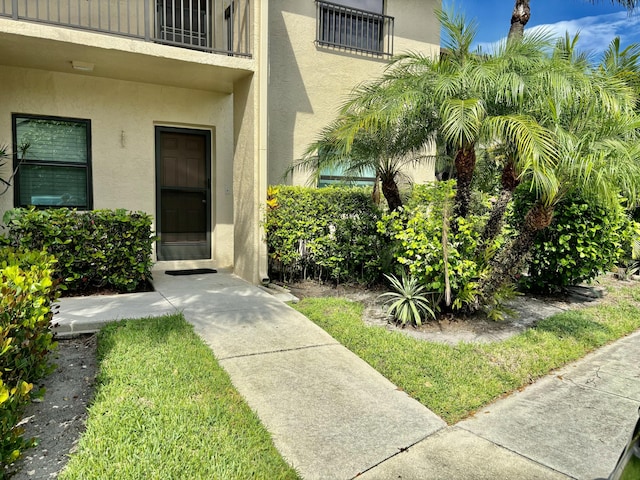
307 84
123 115
250 163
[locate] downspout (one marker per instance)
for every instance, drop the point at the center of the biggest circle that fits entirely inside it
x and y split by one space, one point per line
263 82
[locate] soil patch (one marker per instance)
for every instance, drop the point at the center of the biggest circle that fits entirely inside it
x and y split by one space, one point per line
58 420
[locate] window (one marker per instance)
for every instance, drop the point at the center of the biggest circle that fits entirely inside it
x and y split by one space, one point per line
53 156
337 176
184 22
357 25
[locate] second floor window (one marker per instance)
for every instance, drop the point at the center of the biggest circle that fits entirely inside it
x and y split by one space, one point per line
358 25
184 22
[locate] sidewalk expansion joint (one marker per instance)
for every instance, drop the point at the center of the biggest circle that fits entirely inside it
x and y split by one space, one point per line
515 452
400 450
586 386
170 303
269 352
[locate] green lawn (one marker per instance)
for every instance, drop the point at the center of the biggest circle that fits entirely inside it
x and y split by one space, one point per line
456 381
164 409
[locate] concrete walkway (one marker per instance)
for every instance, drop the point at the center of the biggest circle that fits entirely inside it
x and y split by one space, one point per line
334 417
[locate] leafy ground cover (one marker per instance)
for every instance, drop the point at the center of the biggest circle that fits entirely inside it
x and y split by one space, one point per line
164 408
455 381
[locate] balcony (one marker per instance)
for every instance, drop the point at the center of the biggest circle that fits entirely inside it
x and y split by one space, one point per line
214 26
351 29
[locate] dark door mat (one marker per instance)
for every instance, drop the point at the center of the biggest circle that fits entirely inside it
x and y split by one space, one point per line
191 271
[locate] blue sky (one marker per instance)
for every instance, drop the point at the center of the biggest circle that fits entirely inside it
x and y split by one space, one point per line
598 24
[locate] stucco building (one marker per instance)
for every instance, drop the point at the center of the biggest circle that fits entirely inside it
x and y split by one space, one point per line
185 109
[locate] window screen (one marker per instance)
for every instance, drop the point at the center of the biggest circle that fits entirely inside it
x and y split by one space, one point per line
53 157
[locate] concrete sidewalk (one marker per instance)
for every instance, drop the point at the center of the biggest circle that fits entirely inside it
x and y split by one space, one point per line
571 424
333 417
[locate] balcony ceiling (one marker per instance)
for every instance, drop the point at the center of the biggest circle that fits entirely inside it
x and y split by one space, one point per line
50 48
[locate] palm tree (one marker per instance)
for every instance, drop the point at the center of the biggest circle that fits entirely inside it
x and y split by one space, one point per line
602 163
558 78
503 119
361 140
6 179
598 146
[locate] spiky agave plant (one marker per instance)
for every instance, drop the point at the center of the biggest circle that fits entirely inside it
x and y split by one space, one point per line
408 303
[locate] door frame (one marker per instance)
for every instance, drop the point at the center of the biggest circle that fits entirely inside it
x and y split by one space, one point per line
206 134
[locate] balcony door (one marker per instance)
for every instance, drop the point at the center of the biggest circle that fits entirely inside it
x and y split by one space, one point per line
183 160
184 22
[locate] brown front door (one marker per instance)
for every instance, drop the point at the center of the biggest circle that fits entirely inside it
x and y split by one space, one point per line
183 193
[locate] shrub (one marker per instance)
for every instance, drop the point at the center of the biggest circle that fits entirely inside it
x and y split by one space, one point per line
584 240
629 263
12 402
95 250
326 233
27 294
422 243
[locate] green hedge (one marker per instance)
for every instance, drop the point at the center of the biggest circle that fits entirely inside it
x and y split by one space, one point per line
326 233
330 233
27 293
95 250
584 240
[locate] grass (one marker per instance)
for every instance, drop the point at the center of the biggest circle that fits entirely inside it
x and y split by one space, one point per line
164 409
455 381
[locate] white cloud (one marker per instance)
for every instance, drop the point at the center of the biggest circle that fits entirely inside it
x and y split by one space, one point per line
596 32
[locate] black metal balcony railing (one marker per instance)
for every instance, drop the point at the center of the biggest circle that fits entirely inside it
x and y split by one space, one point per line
353 29
216 26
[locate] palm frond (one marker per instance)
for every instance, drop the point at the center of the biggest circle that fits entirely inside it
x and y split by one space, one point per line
457 34
462 120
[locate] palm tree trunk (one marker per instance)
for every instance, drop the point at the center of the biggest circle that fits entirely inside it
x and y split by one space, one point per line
391 193
519 18
507 264
465 165
375 194
494 224
493 227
